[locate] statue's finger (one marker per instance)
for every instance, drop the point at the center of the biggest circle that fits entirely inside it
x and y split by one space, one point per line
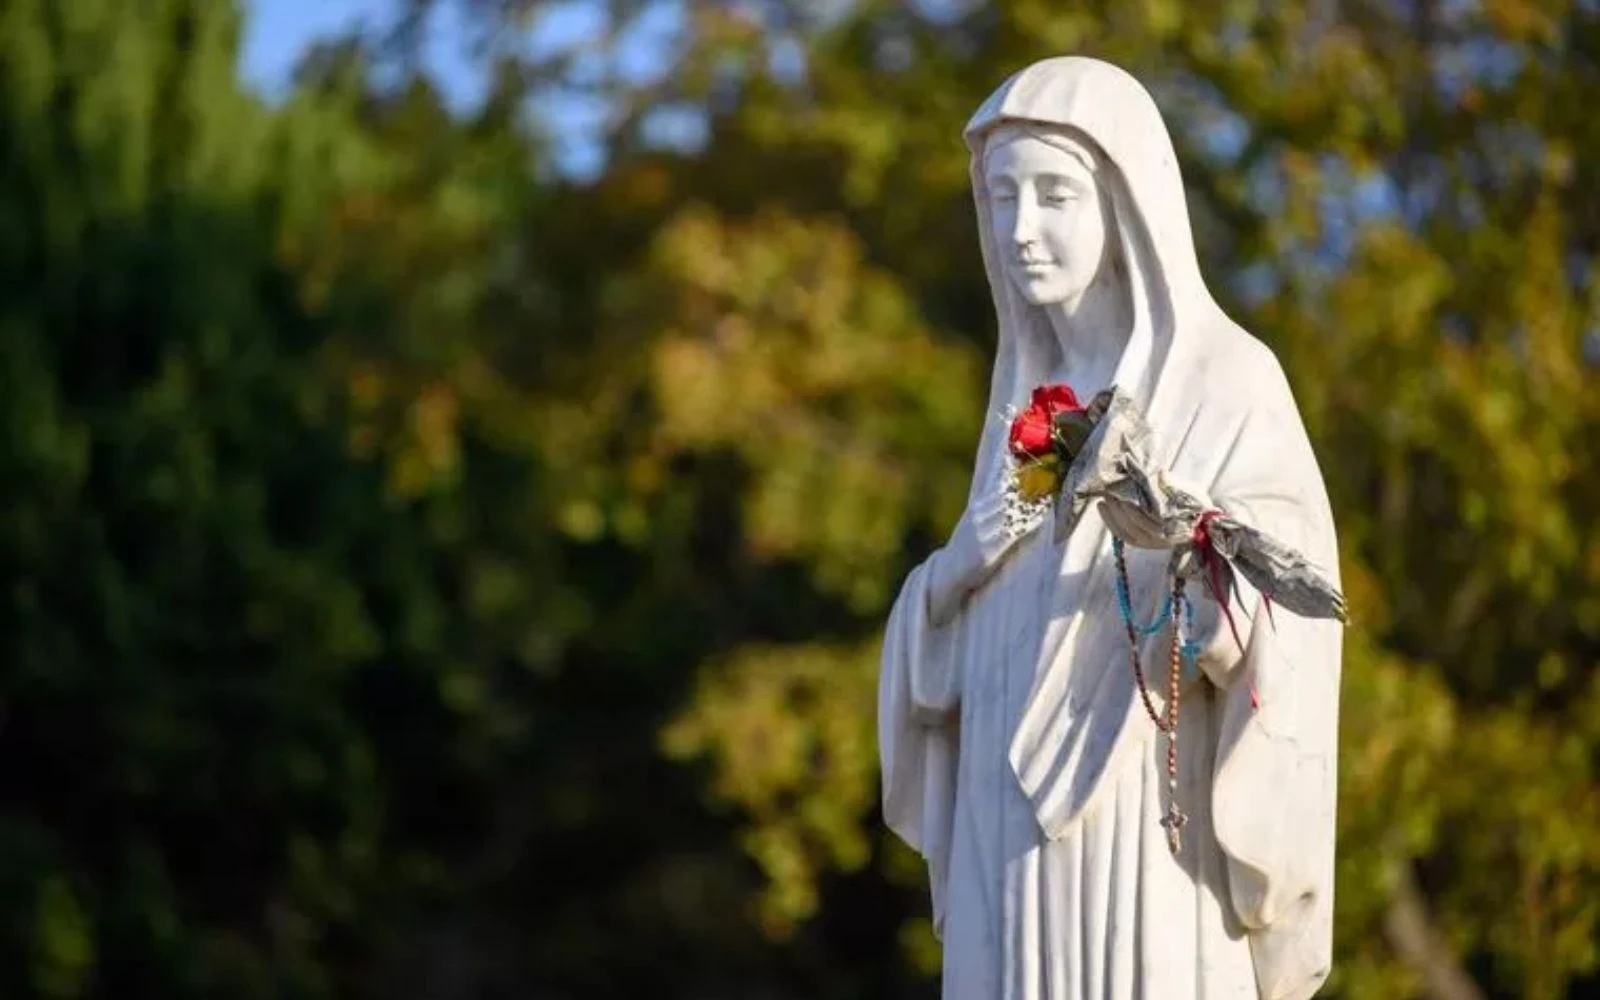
1128 525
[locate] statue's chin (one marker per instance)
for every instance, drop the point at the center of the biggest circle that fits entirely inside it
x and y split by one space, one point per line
1045 291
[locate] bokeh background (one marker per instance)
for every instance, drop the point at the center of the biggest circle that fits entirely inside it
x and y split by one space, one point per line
457 457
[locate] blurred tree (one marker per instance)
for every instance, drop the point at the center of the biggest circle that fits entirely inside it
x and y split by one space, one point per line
242 726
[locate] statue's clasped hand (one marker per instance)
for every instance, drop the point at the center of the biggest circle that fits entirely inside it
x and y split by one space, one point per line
1178 523
1135 525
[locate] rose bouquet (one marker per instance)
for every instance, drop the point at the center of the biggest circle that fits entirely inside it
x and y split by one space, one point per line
1047 435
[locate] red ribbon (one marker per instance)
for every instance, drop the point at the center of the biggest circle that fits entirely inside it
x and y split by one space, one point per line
1213 564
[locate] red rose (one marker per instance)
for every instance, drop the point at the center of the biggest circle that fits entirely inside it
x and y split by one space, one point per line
1032 432
1055 398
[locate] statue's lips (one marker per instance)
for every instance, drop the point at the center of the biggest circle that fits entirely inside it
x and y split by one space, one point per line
1037 267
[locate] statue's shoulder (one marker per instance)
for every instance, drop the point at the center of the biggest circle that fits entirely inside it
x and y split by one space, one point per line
1239 368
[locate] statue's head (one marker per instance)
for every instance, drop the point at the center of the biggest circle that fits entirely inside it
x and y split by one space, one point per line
1051 219
1078 192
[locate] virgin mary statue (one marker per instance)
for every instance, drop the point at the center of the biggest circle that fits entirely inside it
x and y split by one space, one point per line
1017 755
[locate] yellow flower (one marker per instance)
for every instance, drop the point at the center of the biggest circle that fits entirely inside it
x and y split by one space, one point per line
1038 480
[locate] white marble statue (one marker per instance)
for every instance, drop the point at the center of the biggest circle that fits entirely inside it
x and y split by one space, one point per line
1017 757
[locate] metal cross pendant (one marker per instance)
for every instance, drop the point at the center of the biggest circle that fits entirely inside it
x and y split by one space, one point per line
1173 821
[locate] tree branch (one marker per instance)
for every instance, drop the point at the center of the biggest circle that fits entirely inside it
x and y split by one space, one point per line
1411 933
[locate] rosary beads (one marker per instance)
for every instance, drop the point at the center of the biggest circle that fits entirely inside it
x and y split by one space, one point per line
1179 611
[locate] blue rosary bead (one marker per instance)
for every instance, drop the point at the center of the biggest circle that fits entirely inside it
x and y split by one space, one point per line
1189 649
1126 606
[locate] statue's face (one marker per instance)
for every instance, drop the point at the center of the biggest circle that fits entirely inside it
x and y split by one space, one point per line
1049 226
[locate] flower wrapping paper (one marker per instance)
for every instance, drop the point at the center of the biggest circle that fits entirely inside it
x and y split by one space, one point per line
1114 466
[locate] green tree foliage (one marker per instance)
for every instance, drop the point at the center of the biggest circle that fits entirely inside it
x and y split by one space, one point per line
244 711
426 576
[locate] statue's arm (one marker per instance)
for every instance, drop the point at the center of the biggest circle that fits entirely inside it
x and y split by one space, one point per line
1254 488
974 552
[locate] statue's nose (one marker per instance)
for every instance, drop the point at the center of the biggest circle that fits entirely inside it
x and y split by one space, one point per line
1024 231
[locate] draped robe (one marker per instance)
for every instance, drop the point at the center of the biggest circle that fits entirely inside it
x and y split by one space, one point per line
1016 756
